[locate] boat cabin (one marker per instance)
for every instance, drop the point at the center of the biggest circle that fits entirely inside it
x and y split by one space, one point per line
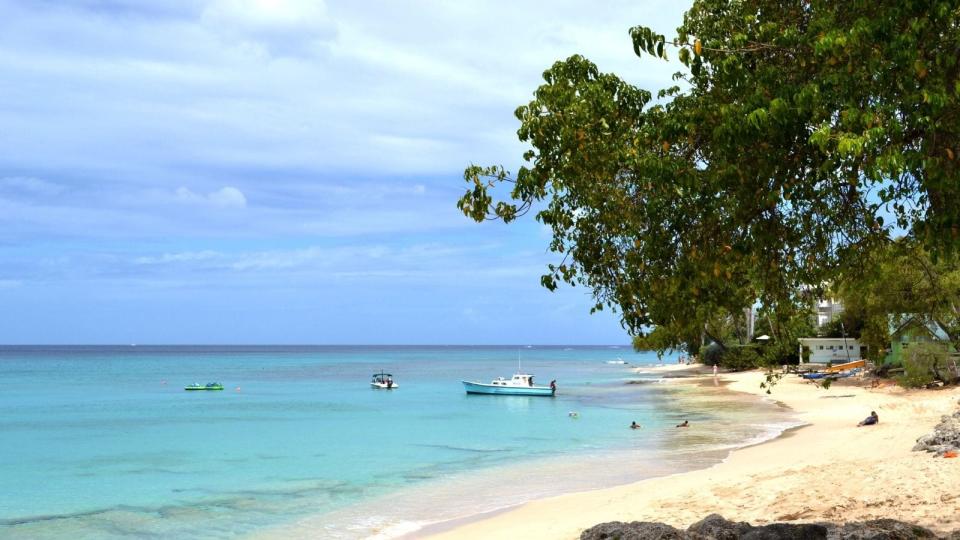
382 378
520 379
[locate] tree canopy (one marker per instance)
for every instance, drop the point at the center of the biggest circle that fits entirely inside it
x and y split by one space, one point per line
901 284
802 134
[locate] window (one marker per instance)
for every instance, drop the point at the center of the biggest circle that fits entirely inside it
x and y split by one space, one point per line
851 347
820 347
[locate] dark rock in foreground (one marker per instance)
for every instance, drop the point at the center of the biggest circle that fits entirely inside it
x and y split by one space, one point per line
715 527
880 529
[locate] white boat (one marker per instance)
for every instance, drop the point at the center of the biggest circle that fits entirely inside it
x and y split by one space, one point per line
383 381
520 385
617 361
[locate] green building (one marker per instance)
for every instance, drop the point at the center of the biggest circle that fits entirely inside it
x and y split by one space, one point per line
909 330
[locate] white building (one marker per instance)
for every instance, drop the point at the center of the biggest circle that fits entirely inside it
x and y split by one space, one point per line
832 350
827 310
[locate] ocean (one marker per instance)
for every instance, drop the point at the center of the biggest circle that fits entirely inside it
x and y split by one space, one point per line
103 442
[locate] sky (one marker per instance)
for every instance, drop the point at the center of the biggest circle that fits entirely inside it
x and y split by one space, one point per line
283 171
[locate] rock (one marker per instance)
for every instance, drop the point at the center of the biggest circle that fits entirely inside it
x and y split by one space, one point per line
716 527
880 529
635 530
787 531
945 436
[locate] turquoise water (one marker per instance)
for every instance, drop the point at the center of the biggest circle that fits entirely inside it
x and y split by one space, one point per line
105 443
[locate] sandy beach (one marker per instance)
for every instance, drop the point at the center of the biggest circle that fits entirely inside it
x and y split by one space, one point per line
829 470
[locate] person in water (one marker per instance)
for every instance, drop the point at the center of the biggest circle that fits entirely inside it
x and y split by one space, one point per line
530 380
635 425
870 420
686 423
553 385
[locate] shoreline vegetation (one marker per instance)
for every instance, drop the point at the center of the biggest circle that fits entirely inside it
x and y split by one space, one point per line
829 470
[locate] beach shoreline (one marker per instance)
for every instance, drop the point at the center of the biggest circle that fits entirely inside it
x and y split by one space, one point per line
826 470
661 451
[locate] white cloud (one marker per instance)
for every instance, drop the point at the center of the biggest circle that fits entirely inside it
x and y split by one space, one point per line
281 26
411 87
229 197
186 256
225 197
30 185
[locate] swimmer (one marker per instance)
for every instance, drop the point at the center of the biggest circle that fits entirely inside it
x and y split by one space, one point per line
635 425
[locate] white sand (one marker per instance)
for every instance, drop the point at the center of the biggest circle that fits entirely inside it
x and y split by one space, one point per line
827 471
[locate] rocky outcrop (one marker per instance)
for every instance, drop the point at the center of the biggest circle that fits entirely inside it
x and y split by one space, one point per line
945 436
635 530
715 527
880 529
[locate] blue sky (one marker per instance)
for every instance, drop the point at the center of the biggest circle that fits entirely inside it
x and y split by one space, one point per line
282 171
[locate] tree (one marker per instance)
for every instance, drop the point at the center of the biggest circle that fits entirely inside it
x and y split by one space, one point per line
902 282
801 125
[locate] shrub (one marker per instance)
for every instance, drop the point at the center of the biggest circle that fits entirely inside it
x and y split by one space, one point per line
741 358
778 354
924 364
711 354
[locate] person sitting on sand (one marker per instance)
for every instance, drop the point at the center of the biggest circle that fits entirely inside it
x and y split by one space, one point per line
870 420
634 425
686 423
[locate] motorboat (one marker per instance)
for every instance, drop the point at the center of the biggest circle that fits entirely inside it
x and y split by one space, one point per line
619 361
383 381
208 386
520 385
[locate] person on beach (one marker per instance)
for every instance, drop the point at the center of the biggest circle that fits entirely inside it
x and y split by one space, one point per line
634 425
870 420
686 423
714 370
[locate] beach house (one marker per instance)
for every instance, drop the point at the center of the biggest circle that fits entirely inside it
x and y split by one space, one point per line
910 330
831 350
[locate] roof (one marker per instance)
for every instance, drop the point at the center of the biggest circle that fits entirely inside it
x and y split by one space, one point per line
912 320
827 339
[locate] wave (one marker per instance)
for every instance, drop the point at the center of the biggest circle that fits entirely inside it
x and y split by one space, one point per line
465 448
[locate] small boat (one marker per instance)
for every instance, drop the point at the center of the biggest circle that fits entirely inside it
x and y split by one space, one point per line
383 380
520 385
208 386
617 361
846 367
831 374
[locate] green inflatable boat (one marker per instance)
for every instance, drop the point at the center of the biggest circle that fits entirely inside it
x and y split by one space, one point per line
208 386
